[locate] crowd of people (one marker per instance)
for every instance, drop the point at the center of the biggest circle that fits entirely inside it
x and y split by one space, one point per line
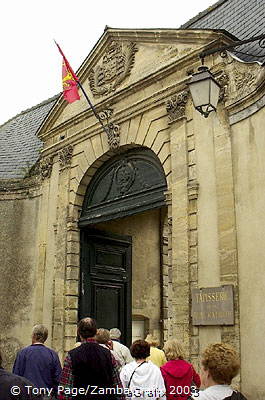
100 367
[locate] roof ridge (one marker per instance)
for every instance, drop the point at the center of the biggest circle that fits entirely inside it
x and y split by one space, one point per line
202 14
47 101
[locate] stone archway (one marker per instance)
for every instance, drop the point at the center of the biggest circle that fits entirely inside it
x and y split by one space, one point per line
84 170
129 184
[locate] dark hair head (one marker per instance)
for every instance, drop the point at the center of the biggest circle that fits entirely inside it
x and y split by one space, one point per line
140 349
87 328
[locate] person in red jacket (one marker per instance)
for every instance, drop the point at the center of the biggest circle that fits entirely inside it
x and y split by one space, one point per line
181 379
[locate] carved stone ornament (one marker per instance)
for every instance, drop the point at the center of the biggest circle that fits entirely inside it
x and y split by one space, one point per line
176 106
124 176
46 167
113 132
168 195
115 66
223 81
65 155
105 115
243 80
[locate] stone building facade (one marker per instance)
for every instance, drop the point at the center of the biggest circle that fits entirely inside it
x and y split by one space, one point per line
202 225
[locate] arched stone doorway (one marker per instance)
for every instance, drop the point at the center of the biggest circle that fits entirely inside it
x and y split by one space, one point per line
120 225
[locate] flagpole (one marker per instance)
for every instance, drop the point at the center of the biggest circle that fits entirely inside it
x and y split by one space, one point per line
81 87
91 105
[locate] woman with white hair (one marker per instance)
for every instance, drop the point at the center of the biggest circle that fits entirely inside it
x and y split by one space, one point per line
122 351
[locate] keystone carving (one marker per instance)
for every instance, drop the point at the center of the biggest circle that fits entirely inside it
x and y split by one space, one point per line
65 155
112 130
115 66
113 133
176 106
46 167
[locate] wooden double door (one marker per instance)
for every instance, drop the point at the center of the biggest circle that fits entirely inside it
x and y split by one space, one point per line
105 280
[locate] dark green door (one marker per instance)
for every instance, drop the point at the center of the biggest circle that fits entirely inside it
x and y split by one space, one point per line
105 281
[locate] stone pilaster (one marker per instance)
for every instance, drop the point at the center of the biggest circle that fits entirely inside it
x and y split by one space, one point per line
167 269
60 321
193 192
180 238
72 278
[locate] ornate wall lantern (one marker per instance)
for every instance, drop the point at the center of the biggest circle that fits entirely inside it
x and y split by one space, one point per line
204 88
204 91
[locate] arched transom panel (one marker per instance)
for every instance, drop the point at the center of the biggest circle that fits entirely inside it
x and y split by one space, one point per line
128 183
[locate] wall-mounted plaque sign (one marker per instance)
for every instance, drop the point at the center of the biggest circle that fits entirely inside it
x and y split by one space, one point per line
213 306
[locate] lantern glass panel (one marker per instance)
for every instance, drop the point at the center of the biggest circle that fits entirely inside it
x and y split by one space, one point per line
214 90
200 92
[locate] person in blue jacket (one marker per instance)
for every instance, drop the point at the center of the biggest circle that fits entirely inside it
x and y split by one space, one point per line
38 363
15 387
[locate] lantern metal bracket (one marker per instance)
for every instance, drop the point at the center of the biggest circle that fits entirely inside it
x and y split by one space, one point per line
260 38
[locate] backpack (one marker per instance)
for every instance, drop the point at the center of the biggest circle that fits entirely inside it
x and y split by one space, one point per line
236 396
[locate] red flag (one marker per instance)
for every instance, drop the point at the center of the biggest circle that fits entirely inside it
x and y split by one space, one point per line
69 78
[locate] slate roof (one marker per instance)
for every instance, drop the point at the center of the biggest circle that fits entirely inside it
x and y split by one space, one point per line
242 18
19 145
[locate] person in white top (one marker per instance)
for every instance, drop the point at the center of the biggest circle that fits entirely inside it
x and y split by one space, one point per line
142 379
122 351
219 365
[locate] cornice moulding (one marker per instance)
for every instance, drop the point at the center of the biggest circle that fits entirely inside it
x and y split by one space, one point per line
25 188
131 112
247 111
145 105
253 97
177 65
156 35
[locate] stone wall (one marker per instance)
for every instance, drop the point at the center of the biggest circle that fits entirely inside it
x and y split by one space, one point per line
248 144
19 257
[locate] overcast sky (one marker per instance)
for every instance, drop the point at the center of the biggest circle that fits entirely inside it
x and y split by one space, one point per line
30 65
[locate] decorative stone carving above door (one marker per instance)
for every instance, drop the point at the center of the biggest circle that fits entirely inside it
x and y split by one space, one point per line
113 68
